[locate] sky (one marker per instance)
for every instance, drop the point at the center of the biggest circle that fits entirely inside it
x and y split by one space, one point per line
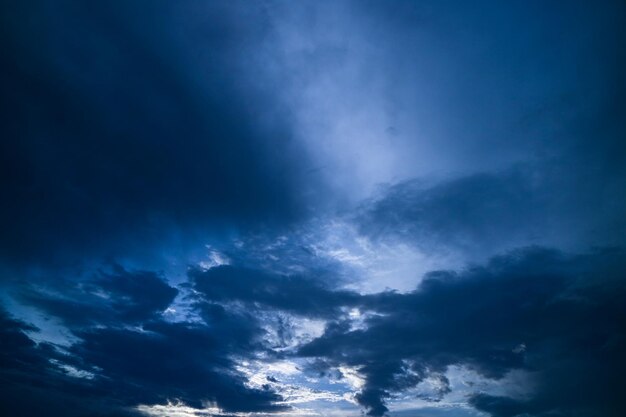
312 208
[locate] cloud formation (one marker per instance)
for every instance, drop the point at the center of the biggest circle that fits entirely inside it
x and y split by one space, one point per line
536 309
312 208
556 316
127 353
119 130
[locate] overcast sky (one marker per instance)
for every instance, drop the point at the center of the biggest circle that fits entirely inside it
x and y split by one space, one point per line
313 208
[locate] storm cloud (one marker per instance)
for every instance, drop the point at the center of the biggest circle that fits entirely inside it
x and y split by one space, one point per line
555 315
119 130
226 208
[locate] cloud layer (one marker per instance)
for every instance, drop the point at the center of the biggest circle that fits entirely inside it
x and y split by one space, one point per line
312 208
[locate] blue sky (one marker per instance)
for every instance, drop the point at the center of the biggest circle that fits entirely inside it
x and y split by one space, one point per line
299 208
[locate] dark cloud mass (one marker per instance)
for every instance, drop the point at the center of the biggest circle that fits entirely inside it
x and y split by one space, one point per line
559 317
166 361
566 311
298 295
469 213
464 212
109 297
127 121
312 208
130 355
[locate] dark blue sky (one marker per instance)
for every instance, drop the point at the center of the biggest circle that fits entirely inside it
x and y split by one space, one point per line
313 208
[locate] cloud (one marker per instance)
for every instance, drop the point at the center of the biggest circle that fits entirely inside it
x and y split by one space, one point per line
189 206
36 384
482 214
557 317
159 362
451 89
564 309
17 347
299 295
109 297
171 361
500 406
124 351
126 126
462 213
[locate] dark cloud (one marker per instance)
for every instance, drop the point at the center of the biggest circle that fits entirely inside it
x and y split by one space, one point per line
565 311
136 133
34 383
558 317
126 127
463 212
125 123
125 353
110 297
172 361
17 348
126 367
518 107
482 214
499 406
300 295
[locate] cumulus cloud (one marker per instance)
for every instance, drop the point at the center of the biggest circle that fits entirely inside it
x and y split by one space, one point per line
548 301
558 317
